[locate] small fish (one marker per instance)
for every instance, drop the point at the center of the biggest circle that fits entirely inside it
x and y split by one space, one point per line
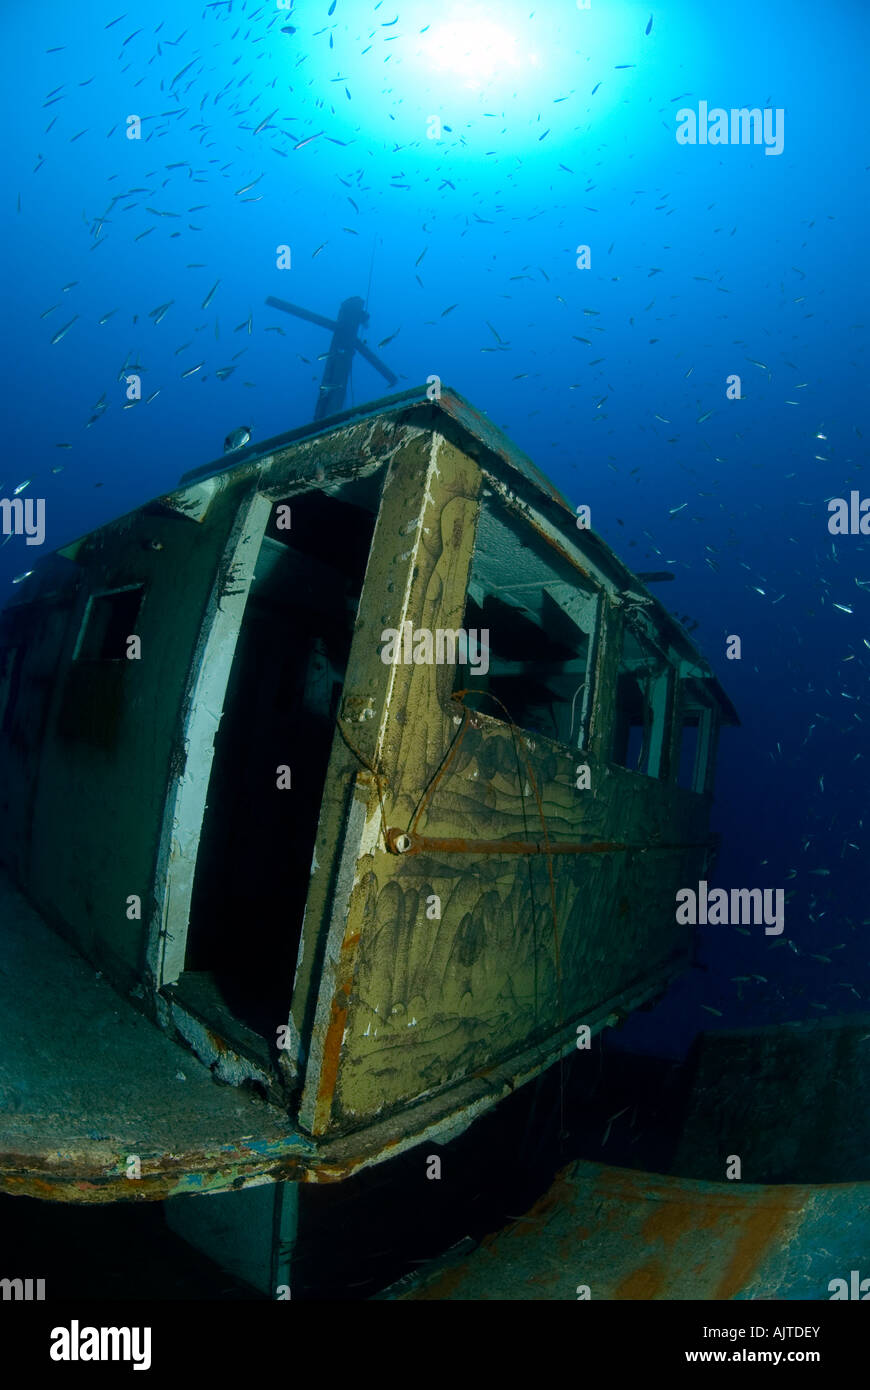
448 310
265 122
248 186
159 314
704 417
106 317
595 88
181 73
384 341
21 486
303 143
223 372
674 510
319 249
421 255
649 25
190 371
63 331
210 296
711 1010
237 439
843 607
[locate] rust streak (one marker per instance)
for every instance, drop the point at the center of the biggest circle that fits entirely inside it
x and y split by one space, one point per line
332 1050
764 1229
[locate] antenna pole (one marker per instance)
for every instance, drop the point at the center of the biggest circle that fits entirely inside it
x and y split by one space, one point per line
336 370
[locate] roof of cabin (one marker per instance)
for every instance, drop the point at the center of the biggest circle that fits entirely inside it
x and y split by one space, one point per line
406 407
451 414
476 434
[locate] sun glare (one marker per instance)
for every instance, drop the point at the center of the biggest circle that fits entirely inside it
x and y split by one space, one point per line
473 48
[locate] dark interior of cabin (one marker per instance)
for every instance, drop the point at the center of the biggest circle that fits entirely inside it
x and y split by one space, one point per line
539 623
282 698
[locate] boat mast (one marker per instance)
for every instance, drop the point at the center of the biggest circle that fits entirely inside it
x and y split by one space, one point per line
351 318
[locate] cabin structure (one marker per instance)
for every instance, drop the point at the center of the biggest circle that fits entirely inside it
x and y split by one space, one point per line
366 775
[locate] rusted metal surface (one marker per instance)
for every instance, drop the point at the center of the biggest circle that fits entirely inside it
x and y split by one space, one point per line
83 1177
408 842
612 1233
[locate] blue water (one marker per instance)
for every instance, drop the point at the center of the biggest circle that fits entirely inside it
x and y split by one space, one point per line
702 257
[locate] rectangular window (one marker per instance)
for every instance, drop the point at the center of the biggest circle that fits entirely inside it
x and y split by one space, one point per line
641 705
690 728
541 620
694 739
110 618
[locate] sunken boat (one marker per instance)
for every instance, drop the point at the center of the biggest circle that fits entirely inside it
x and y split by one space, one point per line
355 774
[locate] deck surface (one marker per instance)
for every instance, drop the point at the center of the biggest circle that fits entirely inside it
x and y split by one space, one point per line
86 1081
641 1236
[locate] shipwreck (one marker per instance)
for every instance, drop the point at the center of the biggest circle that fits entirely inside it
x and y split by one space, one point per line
373 895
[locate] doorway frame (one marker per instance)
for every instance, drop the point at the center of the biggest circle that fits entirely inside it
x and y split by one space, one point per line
204 696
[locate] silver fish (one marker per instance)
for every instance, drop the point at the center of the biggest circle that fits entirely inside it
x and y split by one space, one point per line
63 331
237 439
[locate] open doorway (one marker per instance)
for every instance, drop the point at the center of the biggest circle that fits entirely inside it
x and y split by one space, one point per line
257 839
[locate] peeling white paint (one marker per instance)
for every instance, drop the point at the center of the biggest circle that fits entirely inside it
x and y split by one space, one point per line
186 802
